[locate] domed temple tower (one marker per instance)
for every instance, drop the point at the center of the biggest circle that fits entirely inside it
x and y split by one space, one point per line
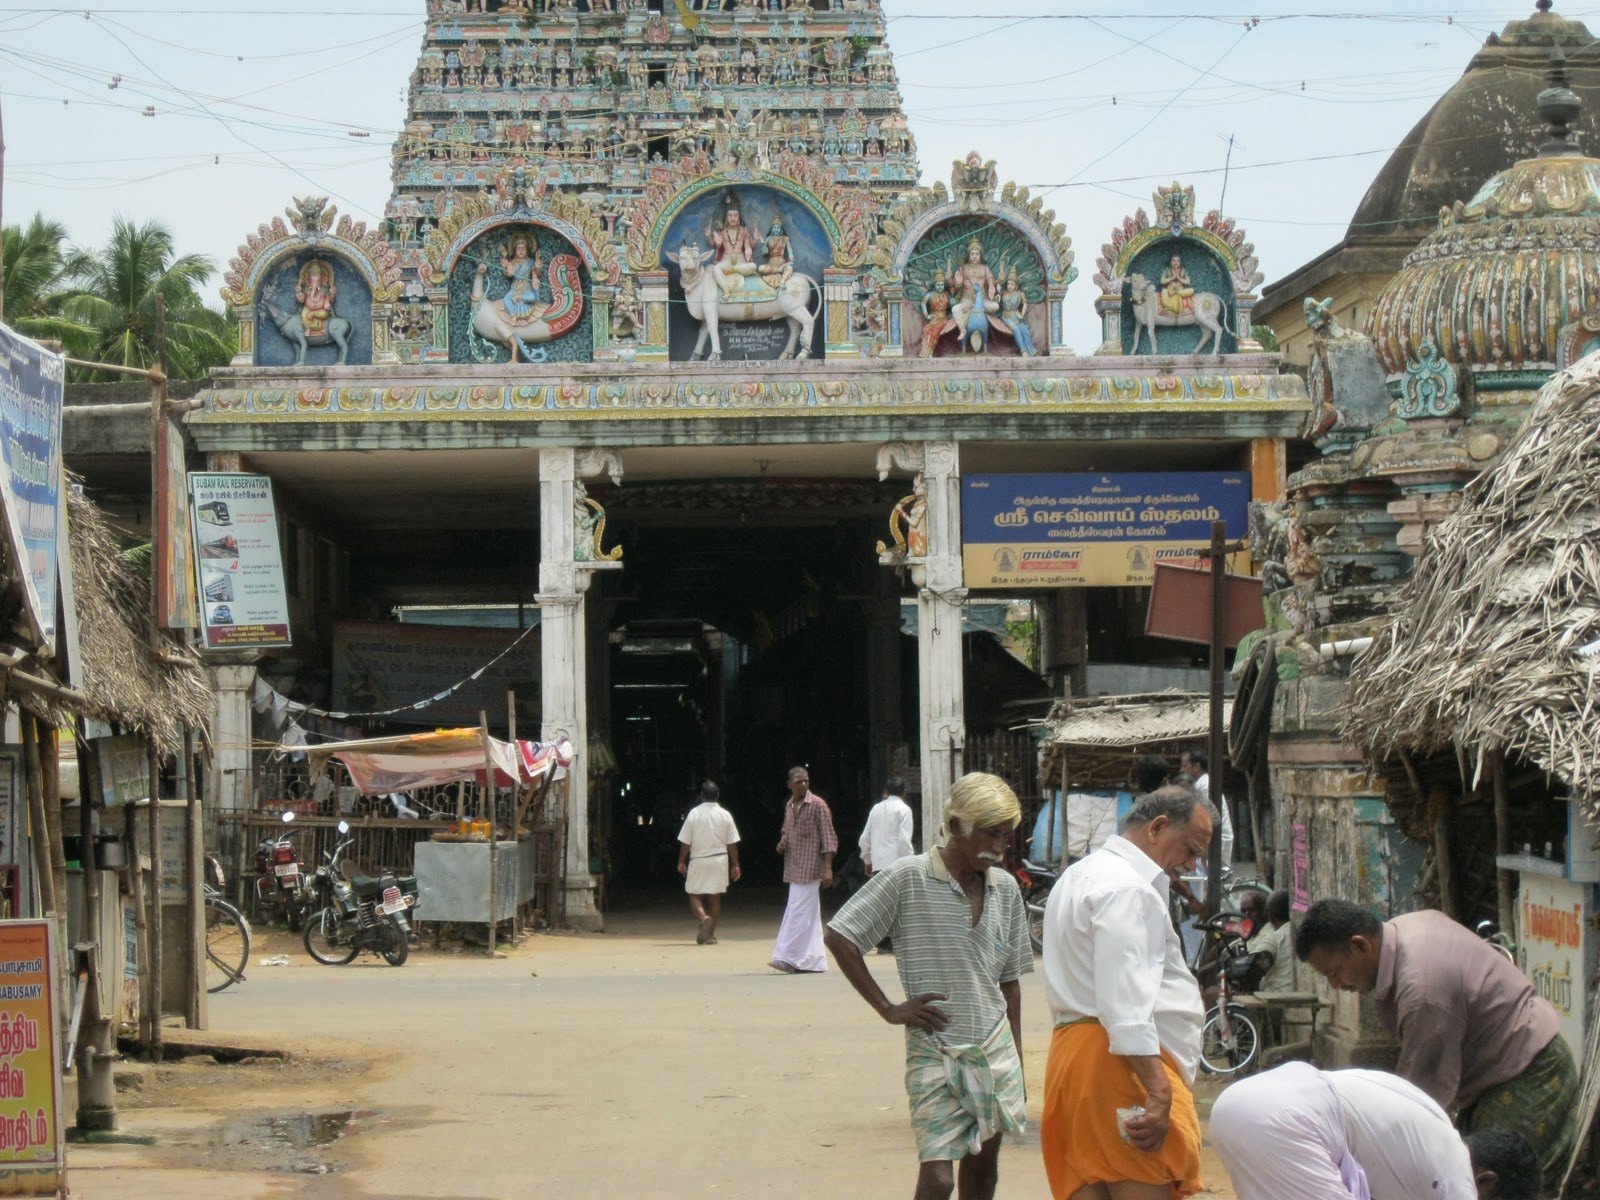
1481 125
1483 312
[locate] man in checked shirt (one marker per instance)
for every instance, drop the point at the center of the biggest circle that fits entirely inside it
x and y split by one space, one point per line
808 845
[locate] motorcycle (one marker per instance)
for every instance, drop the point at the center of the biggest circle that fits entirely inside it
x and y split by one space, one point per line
1036 882
281 884
355 913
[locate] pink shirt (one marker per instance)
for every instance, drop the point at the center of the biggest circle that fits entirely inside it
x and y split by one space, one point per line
807 836
1466 1018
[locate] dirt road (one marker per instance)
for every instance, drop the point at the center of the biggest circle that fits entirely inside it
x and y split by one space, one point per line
633 1063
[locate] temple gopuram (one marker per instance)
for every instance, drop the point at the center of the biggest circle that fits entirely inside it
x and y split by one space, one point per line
667 342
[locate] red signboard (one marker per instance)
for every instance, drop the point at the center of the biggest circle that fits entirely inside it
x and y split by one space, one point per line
1180 605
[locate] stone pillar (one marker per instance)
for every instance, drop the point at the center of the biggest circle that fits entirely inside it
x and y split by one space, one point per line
563 682
941 693
231 733
653 295
839 294
884 726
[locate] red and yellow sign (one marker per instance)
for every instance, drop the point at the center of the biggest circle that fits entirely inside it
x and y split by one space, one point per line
31 1153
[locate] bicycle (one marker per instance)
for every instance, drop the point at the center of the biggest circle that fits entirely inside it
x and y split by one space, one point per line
227 934
1230 1039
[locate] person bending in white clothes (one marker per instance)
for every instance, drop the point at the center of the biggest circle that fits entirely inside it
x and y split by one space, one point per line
1358 1135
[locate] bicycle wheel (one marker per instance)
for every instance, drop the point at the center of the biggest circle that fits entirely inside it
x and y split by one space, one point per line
324 940
227 944
1229 1055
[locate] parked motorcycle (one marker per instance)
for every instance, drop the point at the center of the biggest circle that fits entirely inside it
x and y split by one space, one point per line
353 914
282 887
1036 882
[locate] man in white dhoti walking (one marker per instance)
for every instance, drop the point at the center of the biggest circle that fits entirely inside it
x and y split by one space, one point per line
808 844
1336 1135
708 859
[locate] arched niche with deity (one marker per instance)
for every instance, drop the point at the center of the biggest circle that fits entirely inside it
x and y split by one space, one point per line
519 275
738 262
1172 285
313 292
972 272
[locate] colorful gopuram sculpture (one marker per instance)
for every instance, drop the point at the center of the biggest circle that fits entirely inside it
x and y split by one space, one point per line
1171 272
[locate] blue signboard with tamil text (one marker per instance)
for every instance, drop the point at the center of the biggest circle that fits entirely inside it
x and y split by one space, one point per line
31 382
1092 530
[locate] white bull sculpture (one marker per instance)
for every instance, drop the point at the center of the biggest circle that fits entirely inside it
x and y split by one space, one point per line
706 304
1208 312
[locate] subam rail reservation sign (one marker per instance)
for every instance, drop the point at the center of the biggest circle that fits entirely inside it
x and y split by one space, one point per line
1092 530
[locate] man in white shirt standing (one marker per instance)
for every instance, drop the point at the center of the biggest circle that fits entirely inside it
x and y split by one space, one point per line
1119 1117
886 838
708 860
1194 767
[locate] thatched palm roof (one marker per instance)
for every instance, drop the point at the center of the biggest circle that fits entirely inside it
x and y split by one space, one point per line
123 684
1483 652
1100 736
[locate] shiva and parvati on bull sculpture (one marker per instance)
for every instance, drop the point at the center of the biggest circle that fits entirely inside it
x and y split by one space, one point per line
531 310
315 323
739 279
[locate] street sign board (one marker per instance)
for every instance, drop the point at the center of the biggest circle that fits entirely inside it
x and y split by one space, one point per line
1092 530
243 602
31 384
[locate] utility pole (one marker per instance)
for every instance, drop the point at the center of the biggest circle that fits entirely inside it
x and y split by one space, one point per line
1217 747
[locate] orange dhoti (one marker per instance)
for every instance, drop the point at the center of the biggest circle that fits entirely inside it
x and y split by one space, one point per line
1084 1085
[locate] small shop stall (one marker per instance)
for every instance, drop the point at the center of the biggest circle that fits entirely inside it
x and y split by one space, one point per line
1087 757
485 866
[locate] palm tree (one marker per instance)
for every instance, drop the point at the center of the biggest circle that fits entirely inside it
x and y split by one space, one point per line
35 284
116 295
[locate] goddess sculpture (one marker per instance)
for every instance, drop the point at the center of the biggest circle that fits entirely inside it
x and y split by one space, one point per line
936 315
522 297
1177 293
780 260
316 292
1014 315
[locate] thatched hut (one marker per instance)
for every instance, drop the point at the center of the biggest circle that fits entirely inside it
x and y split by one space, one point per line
1481 697
123 682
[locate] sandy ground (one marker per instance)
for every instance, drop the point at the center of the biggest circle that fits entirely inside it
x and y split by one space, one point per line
633 1063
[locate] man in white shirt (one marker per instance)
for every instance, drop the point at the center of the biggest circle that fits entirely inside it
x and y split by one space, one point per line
708 859
1330 1135
1193 766
1127 1013
886 838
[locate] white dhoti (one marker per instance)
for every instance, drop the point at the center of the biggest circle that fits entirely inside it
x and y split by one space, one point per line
800 935
707 876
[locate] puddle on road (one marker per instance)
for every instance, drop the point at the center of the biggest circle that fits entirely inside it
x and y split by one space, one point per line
300 1131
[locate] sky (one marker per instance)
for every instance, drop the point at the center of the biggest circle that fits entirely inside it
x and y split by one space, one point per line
209 115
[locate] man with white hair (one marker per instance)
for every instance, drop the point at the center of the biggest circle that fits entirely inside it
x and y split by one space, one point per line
961 946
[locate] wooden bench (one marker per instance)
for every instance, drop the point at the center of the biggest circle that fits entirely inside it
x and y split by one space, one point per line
1282 1010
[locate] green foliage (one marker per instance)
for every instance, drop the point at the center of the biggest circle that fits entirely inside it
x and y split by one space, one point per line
114 294
36 283
1024 638
1266 336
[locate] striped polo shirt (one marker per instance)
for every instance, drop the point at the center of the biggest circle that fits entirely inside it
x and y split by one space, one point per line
937 948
